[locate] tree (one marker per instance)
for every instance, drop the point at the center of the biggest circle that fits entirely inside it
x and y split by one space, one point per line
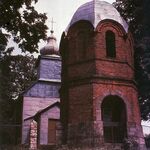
21 22
132 12
136 13
17 74
147 140
19 19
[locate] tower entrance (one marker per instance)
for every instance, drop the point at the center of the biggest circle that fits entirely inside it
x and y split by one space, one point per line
114 119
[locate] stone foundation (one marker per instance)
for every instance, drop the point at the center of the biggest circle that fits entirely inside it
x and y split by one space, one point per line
107 146
83 134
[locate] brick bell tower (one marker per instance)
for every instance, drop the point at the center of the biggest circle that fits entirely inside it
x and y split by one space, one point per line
99 98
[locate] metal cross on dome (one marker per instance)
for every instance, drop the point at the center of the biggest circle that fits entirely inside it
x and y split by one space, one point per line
52 25
96 0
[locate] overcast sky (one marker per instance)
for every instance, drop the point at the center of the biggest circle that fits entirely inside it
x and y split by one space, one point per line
61 11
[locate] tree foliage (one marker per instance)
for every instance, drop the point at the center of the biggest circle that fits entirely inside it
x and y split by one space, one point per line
19 19
17 74
137 14
20 22
132 12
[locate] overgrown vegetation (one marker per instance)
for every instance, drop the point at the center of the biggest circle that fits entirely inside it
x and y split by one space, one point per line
137 14
25 26
19 19
17 73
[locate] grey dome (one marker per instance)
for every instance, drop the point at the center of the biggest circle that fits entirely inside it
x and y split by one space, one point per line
51 46
96 11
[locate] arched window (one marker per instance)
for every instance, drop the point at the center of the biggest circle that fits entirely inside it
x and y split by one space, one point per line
110 44
114 119
82 43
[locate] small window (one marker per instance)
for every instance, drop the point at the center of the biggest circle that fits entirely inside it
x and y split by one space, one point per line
110 44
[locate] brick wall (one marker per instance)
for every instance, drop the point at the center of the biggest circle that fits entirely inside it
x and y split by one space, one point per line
93 76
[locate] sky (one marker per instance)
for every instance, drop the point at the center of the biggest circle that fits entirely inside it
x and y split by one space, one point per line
61 11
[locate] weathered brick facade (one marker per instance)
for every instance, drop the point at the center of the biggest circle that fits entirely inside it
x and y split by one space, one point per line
89 76
99 99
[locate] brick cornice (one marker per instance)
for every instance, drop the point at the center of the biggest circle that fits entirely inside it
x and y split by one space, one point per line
97 79
101 59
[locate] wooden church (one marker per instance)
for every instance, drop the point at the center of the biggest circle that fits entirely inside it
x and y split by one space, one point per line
96 103
41 103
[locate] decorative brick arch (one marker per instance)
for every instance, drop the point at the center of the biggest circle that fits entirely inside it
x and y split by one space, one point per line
111 24
123 42
118 97
79 35
110 44
114 119
119 94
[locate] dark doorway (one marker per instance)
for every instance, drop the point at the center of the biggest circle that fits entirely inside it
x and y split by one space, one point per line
114 119
52 131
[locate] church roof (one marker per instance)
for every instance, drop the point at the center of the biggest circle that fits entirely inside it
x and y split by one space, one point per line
48 108
51 48
43 110
96 11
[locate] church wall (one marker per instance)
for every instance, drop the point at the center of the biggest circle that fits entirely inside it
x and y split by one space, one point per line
31 106
50 68
53 113
44 90
80 108
81 70
119 67
128 93
79 44
85 120
26 132
114 69
96 75
103 68
80 114
123 42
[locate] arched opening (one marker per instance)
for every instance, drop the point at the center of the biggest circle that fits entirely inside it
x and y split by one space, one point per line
110 44
79 35
82 42
114 119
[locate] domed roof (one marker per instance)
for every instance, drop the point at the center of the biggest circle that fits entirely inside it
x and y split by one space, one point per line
96 11
51 47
